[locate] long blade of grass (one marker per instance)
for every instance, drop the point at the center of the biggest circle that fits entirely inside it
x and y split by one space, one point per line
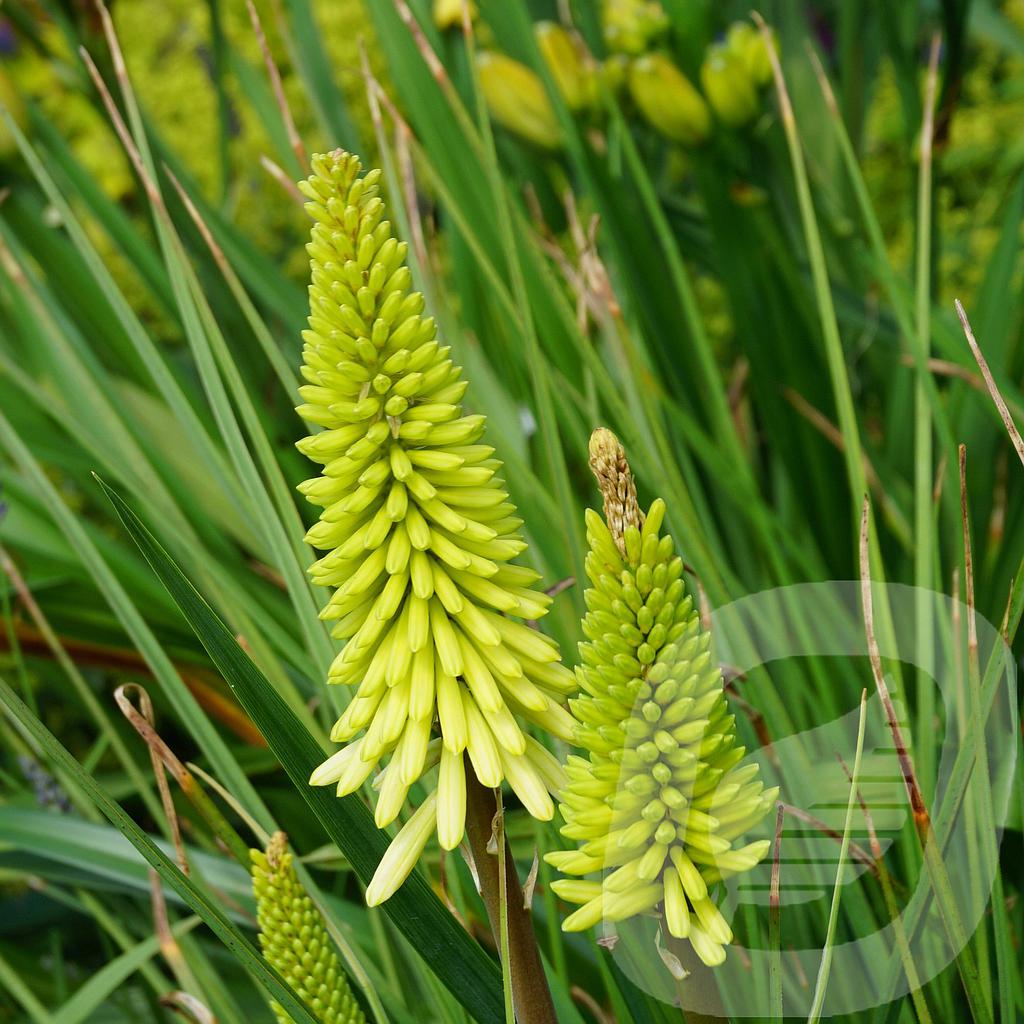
824 968
78 683
822 290
14 984
89 997
924 555
184 704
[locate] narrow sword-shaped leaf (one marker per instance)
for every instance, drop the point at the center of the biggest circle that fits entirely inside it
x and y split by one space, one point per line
452 955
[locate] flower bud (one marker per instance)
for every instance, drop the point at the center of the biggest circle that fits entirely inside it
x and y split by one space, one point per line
517 100
294 939
570 64
728 86
747 45
632 26
448 13
668 100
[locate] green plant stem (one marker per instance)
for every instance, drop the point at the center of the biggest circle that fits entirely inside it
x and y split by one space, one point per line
923 456
775 924
502 894
821 984
556 947
823 294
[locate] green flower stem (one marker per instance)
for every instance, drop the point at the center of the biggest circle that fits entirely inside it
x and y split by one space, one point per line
530 995
821 983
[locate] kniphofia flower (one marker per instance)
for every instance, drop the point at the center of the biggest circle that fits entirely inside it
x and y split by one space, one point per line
420 539
294 939
662 798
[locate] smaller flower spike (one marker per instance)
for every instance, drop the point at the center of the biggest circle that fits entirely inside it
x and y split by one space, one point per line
294 939
662 797
420 538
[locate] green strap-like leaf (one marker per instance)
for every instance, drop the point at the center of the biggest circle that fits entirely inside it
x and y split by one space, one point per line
460 964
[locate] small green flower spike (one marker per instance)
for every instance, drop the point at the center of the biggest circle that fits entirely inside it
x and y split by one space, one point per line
294 939
662 796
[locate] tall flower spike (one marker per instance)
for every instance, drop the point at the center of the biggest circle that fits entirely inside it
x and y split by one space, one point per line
294 939
662 797
420 537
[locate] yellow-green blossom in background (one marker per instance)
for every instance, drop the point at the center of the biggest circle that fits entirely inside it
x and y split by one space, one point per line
729 89
668 100
517 99
632 26
570 63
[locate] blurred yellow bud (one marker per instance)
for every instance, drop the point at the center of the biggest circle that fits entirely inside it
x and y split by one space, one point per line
570 64
448 13
668 100
746 44
517 100
632 26
728 87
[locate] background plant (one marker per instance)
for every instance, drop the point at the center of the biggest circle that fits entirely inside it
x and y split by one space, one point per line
768 346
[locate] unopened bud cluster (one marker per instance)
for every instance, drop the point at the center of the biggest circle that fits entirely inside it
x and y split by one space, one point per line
662 800
294 939
638 62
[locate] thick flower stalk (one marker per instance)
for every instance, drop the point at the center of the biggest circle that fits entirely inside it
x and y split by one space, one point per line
420 537
294 939
662 798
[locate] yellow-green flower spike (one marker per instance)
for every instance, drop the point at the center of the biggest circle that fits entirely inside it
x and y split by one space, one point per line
294 939
662 798
420 537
